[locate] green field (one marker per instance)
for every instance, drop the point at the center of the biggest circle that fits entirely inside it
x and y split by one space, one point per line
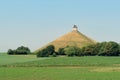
59 68
9 59
69 61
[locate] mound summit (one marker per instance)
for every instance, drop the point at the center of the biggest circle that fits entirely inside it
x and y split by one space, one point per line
73 38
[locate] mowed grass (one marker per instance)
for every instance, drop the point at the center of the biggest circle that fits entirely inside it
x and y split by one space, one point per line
59 68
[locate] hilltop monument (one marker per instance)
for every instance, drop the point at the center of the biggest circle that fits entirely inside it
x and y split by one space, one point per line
73 38
75 28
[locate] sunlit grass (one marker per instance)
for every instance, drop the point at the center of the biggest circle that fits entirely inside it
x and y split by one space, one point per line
56 73
71 61
29 67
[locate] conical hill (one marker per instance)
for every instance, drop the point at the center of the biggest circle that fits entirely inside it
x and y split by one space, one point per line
73 38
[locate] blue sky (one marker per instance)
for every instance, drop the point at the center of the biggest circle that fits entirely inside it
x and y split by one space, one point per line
34 23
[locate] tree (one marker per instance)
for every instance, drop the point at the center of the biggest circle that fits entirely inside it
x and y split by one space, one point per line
109 49
23 50
89 50
97 48
54 54
78 51
42 53
72 51
10 52
102 49
112 49
49 50
61 51
19 51
119 49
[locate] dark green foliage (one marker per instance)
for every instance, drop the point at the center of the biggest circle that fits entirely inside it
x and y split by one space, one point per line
109 49
72 51
19 51
99 49
61 51
10 52
69 51
22 50
43 53
89 50
54 54
49 50
119 49
78 51
102 49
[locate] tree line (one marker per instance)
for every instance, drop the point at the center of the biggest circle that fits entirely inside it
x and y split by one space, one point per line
100 49
19 51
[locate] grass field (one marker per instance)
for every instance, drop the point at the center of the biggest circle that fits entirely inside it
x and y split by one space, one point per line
59 68
9 59
70 61
57 73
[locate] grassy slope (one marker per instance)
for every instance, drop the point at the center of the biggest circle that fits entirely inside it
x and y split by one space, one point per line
73 38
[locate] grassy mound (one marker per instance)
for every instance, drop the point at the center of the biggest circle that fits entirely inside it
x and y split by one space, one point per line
73 38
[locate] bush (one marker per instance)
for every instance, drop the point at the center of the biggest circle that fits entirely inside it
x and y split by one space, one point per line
89 50
72 51
10 52
54 54
100 49
19 51
49 50
61 51
97 48
42 53
109 49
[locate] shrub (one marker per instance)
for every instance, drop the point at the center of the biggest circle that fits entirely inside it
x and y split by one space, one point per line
72 51
88 50
49 50
42 53
109 49
54 54
61 51
19 51
10 52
